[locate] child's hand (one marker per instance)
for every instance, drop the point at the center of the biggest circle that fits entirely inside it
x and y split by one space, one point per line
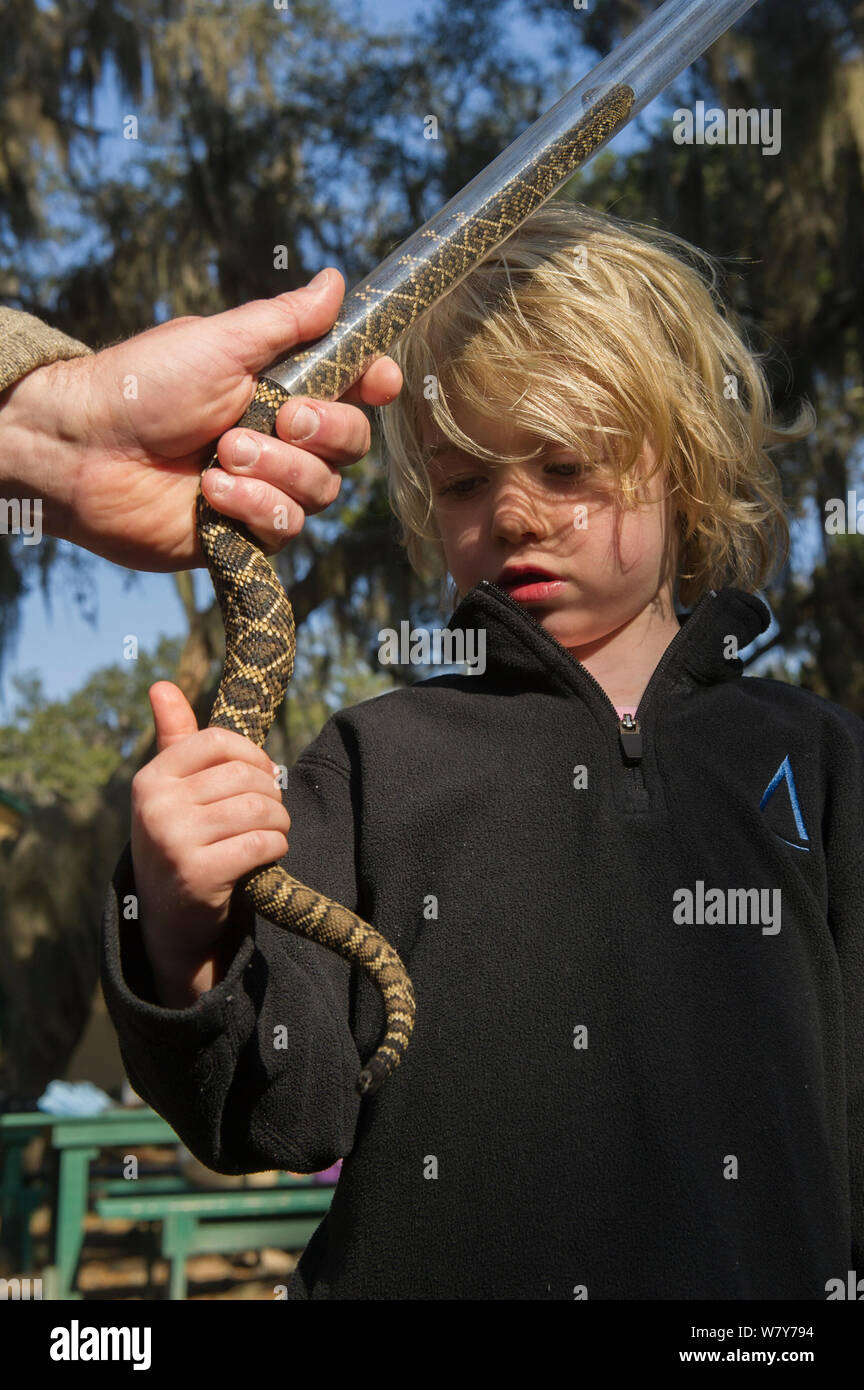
205 811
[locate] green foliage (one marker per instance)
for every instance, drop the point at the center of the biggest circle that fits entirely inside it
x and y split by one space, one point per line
69 748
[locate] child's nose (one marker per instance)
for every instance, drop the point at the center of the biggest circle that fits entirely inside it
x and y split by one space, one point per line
515 515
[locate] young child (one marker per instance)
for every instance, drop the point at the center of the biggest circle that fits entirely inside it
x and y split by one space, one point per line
627 883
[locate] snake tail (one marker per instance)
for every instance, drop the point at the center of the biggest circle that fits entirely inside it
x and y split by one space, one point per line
260 644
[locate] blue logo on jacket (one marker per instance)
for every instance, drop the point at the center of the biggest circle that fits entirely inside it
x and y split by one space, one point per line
785 774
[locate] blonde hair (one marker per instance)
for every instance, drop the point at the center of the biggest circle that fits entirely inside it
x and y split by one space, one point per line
582 314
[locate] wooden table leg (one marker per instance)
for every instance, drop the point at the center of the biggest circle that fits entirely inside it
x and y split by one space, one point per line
11 1189
177 1229
68 1216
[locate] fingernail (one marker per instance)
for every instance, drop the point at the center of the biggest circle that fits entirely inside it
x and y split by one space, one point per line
221 483
319 281
304 423
246 451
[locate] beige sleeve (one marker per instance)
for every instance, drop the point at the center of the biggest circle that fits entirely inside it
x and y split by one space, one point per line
26 342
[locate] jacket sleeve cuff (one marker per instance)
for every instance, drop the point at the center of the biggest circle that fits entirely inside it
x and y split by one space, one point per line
28 343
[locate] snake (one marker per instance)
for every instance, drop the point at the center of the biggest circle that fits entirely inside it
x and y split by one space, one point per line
260 646
258 619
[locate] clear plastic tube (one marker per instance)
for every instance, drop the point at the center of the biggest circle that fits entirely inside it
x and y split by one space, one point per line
376 312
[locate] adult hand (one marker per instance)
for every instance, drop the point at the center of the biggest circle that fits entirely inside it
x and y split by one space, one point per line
114 443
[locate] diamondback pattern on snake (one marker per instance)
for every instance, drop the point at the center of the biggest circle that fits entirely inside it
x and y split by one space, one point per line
259 661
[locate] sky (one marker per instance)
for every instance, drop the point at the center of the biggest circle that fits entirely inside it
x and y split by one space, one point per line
58 643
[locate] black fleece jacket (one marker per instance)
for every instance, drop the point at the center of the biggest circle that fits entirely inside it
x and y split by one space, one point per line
607 1094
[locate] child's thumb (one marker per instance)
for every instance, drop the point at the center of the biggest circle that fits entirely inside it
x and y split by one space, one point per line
173 715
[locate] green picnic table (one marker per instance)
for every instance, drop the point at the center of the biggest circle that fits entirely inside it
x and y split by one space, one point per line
75 1141
191 1219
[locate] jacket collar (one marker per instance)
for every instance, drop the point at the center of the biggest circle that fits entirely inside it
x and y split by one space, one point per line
520 650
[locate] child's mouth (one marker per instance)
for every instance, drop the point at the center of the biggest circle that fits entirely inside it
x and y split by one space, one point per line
532 588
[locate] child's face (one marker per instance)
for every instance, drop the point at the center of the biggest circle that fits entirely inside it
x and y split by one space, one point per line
544 513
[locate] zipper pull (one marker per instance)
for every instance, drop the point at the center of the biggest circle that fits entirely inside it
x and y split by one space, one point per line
631 738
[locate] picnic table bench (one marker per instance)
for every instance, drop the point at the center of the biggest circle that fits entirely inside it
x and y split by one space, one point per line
193 1219
285 1216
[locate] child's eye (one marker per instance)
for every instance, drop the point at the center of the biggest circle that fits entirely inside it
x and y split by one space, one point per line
569 469
461 487
573 467
457 487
